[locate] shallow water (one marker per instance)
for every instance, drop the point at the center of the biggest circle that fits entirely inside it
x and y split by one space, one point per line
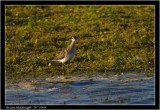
117 89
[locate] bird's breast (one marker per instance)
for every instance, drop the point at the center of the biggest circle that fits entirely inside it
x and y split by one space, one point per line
70 56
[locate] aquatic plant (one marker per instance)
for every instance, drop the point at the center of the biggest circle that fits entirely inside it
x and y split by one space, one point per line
108 38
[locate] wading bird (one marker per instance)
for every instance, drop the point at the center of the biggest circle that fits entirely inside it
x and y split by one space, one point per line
67 54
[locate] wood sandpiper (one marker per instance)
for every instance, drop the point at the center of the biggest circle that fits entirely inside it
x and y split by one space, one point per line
67 54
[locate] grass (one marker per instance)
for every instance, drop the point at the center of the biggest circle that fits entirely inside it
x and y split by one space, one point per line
108 38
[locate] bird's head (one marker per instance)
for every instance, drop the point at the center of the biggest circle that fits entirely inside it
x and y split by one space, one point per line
73 39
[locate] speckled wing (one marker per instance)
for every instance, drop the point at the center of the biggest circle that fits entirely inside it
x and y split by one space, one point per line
61 55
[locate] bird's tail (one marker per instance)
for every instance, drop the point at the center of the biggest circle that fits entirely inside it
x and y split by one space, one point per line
54 60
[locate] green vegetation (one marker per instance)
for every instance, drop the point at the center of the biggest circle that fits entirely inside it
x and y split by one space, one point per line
108 38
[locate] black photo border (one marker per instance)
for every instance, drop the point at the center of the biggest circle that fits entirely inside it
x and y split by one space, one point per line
31 2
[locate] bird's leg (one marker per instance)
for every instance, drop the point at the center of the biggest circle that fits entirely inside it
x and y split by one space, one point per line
67 66
63 69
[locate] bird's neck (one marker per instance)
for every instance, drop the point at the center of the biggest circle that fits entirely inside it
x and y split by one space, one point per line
73 43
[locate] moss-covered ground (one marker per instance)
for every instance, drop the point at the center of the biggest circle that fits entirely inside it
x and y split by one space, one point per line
108 38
